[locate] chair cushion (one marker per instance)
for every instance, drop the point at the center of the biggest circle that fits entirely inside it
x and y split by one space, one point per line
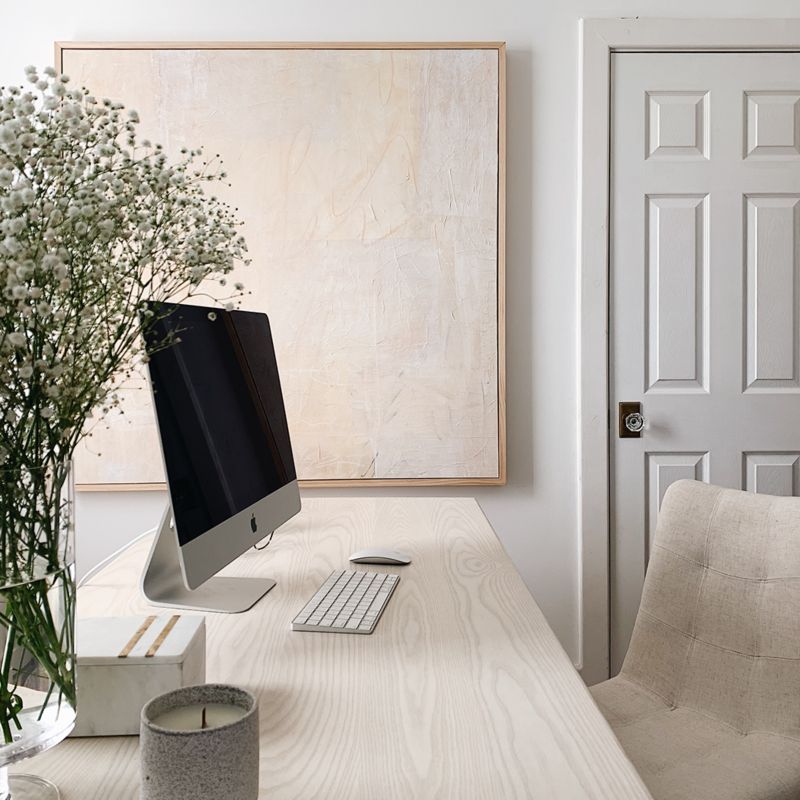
683 754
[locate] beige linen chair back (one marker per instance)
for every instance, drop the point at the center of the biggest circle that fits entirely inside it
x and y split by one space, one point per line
718 629
707 705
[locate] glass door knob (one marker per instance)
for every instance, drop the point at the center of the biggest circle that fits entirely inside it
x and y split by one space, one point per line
634 422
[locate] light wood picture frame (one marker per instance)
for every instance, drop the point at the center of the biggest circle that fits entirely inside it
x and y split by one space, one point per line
371 181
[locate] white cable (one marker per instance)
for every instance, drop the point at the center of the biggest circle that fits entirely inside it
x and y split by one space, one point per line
106 561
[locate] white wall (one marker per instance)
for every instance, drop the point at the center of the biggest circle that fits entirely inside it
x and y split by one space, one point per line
535 515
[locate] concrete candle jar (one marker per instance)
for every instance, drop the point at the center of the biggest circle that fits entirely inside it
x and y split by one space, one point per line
200 741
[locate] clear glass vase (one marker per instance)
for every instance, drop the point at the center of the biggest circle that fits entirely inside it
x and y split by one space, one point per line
37 619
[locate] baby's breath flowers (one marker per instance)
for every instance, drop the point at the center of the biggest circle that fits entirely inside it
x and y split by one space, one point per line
93 223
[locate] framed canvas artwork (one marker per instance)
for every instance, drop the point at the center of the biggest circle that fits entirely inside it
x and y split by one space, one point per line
370 181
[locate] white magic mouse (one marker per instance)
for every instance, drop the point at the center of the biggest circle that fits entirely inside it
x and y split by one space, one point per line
379 555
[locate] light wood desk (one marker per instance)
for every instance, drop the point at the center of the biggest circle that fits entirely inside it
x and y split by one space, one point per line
462 691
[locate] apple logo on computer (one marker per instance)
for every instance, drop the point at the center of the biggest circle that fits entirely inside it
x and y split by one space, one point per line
253 524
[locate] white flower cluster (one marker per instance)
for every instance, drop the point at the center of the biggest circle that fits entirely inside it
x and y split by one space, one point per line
93 223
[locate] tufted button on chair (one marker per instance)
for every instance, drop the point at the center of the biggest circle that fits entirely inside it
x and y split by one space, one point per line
707 704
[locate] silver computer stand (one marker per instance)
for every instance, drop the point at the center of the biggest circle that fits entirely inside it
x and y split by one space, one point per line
162 580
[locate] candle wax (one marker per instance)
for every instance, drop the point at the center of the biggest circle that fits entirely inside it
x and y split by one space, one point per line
190 717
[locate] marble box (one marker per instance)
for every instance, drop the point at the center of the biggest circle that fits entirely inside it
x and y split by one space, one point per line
122 662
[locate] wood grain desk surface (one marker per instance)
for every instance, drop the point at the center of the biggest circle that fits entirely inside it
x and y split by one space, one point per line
461 692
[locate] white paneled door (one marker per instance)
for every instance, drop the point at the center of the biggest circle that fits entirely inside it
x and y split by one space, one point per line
705 288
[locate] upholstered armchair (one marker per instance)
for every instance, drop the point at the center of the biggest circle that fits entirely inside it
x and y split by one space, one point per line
707 704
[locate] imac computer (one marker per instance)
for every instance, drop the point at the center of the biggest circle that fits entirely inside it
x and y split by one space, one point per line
226 449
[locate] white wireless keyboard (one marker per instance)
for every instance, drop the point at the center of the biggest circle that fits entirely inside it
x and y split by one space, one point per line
348 602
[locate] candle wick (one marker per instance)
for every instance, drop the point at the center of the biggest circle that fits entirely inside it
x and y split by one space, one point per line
204 724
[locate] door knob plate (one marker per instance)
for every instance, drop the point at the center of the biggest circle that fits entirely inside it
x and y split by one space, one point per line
630 421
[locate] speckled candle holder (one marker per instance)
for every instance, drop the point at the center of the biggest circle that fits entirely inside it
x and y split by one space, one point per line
215 762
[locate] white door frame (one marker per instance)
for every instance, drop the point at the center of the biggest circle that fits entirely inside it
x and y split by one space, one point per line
599 39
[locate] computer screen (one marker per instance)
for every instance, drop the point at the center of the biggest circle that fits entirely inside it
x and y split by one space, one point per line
220 413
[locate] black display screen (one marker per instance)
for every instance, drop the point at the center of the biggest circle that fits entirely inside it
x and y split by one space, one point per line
220 412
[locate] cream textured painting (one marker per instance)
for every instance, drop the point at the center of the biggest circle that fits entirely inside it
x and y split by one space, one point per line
370 184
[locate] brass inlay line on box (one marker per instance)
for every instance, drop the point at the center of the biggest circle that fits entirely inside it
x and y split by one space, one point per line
125 652
161 636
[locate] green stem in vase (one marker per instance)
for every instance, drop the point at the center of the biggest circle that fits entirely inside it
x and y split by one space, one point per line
10 702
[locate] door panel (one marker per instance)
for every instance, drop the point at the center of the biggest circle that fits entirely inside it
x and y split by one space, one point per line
772 285
705 287
662 470
677 125
772 473
677 271
772 125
